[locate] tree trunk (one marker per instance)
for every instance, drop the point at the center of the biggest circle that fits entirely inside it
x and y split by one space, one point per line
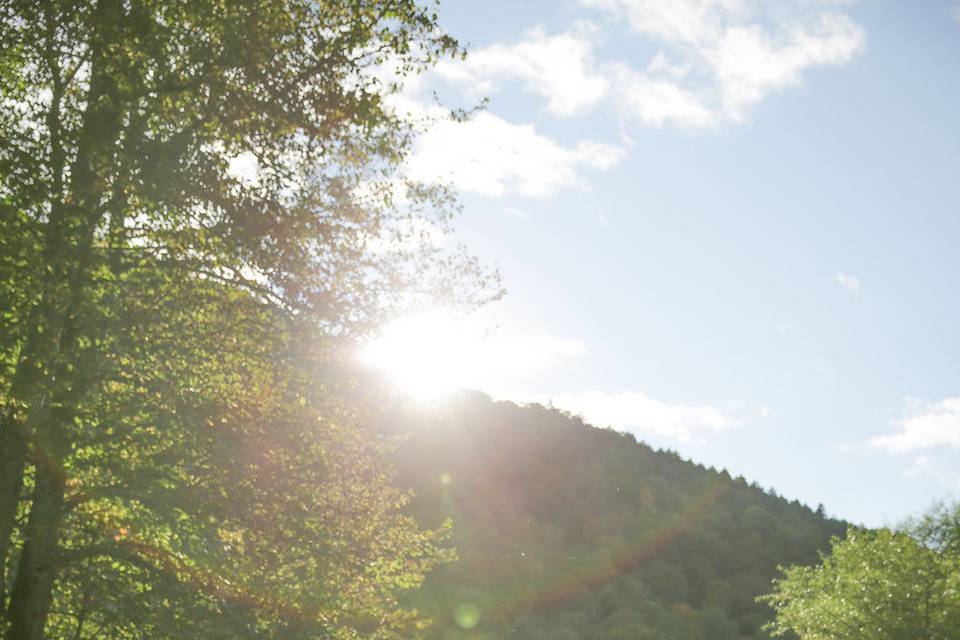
69 239
13 454
33 587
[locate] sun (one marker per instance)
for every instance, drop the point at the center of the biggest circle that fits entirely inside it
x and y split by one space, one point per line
436 351
427 354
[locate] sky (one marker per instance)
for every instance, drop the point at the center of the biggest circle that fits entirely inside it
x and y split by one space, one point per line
730 227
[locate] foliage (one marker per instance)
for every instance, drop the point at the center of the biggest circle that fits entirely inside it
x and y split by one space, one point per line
177 457
568 531
878 585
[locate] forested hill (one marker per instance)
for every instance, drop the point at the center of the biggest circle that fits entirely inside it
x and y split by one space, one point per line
566 531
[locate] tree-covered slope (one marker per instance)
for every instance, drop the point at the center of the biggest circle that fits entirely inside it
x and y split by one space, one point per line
566 531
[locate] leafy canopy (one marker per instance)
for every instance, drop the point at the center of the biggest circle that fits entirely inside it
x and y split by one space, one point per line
877 585
199 207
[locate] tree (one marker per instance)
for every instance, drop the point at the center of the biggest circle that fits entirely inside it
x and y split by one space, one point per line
166 315
877 585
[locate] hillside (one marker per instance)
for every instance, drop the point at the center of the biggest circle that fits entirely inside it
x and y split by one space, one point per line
566 531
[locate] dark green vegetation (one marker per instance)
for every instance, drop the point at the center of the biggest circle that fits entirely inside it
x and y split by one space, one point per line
565 531
177 458
878 585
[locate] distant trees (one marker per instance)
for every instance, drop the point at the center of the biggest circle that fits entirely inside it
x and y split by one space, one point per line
197 211
563 530
878 585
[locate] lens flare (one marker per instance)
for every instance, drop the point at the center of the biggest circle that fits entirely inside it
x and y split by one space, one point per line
467 615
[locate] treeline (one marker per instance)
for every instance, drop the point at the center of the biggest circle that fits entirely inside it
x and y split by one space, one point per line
568 531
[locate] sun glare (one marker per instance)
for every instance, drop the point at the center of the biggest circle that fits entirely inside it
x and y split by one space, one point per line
425 354
431 353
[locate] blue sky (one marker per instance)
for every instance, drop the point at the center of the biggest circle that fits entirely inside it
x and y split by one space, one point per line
728 226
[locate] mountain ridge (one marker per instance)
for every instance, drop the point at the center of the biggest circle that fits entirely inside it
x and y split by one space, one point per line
565 530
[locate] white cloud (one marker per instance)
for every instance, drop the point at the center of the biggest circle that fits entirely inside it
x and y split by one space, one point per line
490 156
681 21
558 67
848 281
925 425
722 56
658 102
639 413
715 59
750 61
955 10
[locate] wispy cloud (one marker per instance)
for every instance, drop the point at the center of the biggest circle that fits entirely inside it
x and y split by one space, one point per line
848 281
658 101
493 157
515 212
718 58
918 467
942 471
638 413
557 67
925 425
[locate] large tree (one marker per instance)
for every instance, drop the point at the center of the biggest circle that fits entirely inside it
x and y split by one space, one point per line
195 198
877 585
